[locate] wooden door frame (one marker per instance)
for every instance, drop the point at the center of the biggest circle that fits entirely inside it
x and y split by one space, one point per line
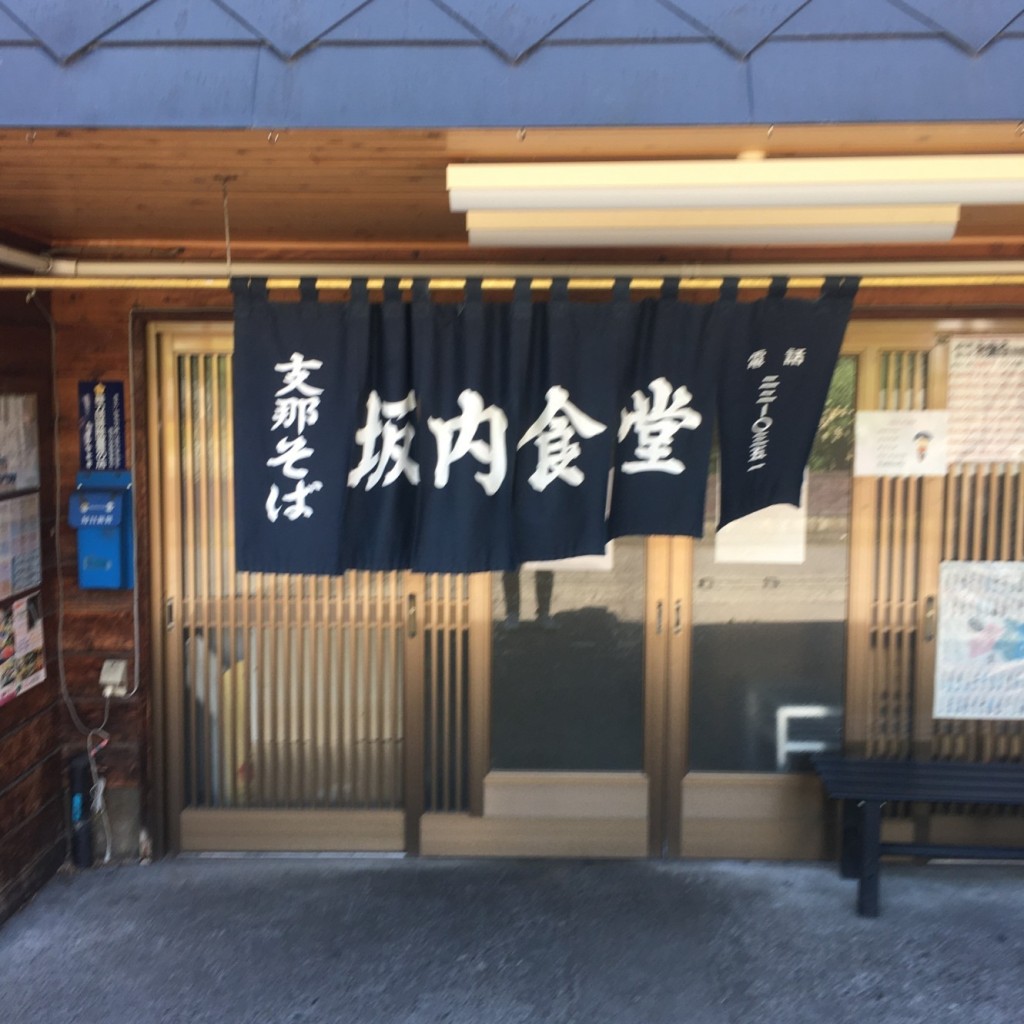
313 829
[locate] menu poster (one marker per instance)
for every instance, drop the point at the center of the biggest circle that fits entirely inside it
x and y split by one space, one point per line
986 399
20 554
19 444
22 656
979 670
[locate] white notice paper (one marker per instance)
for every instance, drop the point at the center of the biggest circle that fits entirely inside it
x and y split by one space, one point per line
911 443
986 399
979 671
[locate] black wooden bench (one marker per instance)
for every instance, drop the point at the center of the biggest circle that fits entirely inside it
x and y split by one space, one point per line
865 785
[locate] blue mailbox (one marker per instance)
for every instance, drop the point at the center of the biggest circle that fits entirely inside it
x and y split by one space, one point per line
101 511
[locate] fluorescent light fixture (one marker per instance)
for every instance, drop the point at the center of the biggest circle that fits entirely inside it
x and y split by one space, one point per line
771 226
665 184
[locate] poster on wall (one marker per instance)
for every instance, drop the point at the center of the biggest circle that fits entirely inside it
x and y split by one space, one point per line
979 670
901 443
101 424
20 555
19 444
22 657
986 399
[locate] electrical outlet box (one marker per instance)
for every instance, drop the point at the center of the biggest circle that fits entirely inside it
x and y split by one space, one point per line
114 678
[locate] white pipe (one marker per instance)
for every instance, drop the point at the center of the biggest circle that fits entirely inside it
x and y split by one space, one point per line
22 260
325 270
58 270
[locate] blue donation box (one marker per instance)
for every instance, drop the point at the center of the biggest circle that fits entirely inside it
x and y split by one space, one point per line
101 512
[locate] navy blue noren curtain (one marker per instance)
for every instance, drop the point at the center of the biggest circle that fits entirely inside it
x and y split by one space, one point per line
468 366
779 354
298 373
666 420
384 474
569 419
464 437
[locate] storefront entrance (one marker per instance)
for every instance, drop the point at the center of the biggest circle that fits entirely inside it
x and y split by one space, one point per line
660 701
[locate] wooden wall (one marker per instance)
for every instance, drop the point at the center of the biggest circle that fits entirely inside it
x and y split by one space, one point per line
101 336
33 829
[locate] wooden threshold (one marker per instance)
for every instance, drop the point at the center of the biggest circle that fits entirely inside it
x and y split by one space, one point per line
757 816
461 835
512 794
292 831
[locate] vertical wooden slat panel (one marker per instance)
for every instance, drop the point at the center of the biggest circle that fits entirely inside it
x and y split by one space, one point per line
479 689
889 550
381 684
398 669
336 690
964 502
203 575
883 678
237 601
222 677
295 690
303 732
1018 550
169 482
250 668
261 640
348 654
898 678
412 626
907 608
365 694
978 481
321 713
660 586
1006 517
461 622
447 657
863 610
275 692
430 640
188 556
251 587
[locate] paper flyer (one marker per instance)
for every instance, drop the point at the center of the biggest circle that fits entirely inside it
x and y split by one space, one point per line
979 670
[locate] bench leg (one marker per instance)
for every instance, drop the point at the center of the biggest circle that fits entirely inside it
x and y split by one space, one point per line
870 857
851 831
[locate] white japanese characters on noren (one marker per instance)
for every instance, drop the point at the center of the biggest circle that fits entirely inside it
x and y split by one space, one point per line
553 433
767 393
384 463
456 438
656 421
296 405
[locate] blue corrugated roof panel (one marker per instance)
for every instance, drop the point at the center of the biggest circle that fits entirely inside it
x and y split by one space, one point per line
435 63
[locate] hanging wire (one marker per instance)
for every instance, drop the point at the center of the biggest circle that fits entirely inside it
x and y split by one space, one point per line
227 226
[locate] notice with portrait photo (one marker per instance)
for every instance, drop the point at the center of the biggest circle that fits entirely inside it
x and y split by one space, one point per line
902 443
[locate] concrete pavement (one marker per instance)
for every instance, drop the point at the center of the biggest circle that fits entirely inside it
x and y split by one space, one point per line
310 940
